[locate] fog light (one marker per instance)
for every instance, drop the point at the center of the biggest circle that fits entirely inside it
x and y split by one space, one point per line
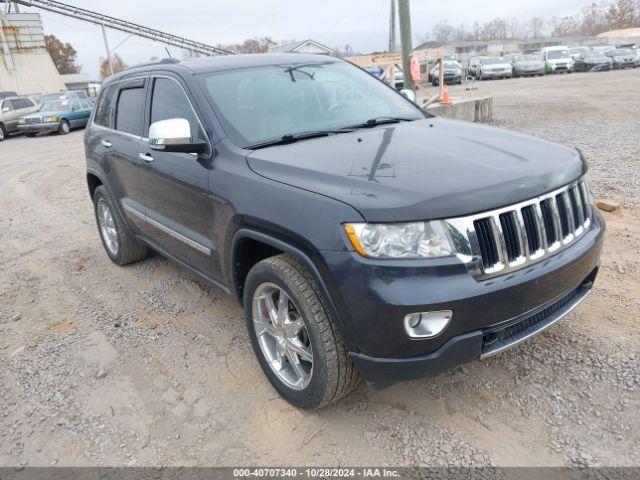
426 324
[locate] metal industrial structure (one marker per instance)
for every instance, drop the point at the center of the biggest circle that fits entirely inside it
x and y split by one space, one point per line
106 21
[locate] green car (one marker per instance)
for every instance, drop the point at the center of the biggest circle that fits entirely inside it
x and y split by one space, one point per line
56 115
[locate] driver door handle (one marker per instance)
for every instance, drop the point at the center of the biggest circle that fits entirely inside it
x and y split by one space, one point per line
105 143
146 157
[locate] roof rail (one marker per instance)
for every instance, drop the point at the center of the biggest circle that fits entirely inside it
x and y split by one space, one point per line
162 61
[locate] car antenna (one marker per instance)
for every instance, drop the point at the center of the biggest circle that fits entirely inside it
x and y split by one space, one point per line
168 53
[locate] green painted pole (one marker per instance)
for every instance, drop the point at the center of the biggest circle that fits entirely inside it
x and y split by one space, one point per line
405 39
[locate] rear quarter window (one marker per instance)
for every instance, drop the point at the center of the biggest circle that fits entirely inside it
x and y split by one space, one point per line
105 108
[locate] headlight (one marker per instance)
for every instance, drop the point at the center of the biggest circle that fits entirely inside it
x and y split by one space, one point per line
50 119
21 121
400 240
459 72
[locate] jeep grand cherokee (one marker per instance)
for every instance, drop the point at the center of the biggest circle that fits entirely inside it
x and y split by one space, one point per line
364 237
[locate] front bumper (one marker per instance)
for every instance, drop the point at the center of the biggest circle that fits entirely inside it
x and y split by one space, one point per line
378 297
497 74
39 127
536 71
602 67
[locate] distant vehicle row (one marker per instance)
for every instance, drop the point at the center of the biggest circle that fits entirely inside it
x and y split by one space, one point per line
55 112
549 60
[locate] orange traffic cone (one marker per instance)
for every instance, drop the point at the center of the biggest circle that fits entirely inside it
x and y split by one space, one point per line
445 94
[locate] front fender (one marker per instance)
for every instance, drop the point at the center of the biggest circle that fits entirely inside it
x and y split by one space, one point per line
312 260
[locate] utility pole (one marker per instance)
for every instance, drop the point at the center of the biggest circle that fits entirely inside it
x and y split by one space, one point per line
392 28
407 44
106 46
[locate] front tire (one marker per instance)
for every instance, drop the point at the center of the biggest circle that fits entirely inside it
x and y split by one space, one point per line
31 135
3 132
121 246
293 335
64 127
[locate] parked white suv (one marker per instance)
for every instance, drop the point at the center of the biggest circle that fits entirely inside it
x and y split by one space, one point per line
557 59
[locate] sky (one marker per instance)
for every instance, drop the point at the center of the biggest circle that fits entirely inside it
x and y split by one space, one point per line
361 24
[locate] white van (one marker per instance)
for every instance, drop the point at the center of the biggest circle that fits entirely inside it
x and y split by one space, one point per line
557 59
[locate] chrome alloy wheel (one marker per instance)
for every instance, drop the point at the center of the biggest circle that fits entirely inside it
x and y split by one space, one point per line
107 227
282 336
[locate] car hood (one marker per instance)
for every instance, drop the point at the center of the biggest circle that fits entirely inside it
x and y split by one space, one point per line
45 114
496 66
425 169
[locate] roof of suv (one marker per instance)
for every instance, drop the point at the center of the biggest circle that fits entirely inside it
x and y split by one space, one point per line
225 62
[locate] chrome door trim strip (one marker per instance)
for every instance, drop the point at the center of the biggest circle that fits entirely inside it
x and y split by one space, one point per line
169 231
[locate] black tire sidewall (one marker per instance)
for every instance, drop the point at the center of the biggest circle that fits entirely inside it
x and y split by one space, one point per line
313 394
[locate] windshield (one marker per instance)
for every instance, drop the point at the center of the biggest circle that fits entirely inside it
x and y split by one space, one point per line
529 57
492 60
594 56
557 54
261 104
451 65
54 106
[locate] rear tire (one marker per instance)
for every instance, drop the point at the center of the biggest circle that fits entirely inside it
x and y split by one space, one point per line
31 134
64 127
3 132
329 375
121 246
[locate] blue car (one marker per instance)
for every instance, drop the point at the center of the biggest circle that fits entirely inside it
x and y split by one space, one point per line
56 115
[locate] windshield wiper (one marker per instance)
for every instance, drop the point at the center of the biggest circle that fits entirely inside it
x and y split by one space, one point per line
296 137
374 122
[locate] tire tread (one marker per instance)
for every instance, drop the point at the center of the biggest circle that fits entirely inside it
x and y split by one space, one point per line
342 375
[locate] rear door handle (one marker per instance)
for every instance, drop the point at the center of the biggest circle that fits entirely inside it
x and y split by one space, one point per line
146 157
105 143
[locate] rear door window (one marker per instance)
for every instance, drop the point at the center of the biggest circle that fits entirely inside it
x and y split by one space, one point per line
7 105
130 111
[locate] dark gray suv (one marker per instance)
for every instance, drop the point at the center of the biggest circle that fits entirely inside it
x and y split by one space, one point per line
365 237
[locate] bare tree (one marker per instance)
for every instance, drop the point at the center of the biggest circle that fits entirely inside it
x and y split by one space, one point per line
565 27
536 27
443 31
623 14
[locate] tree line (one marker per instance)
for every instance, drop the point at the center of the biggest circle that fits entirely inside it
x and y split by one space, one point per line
591 20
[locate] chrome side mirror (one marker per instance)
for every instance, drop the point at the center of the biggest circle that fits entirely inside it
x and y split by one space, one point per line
410 94
173 135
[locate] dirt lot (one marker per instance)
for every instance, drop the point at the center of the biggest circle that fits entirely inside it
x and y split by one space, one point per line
146 365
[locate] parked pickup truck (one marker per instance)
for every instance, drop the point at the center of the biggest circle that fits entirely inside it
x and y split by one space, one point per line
364 237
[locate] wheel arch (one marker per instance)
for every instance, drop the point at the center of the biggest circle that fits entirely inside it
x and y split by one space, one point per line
238 270
93 182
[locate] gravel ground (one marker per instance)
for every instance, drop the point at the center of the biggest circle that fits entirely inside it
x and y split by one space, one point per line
145 365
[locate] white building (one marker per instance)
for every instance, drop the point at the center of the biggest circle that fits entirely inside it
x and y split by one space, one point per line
305 46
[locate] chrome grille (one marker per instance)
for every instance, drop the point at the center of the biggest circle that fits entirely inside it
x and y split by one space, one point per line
507 239
33 120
